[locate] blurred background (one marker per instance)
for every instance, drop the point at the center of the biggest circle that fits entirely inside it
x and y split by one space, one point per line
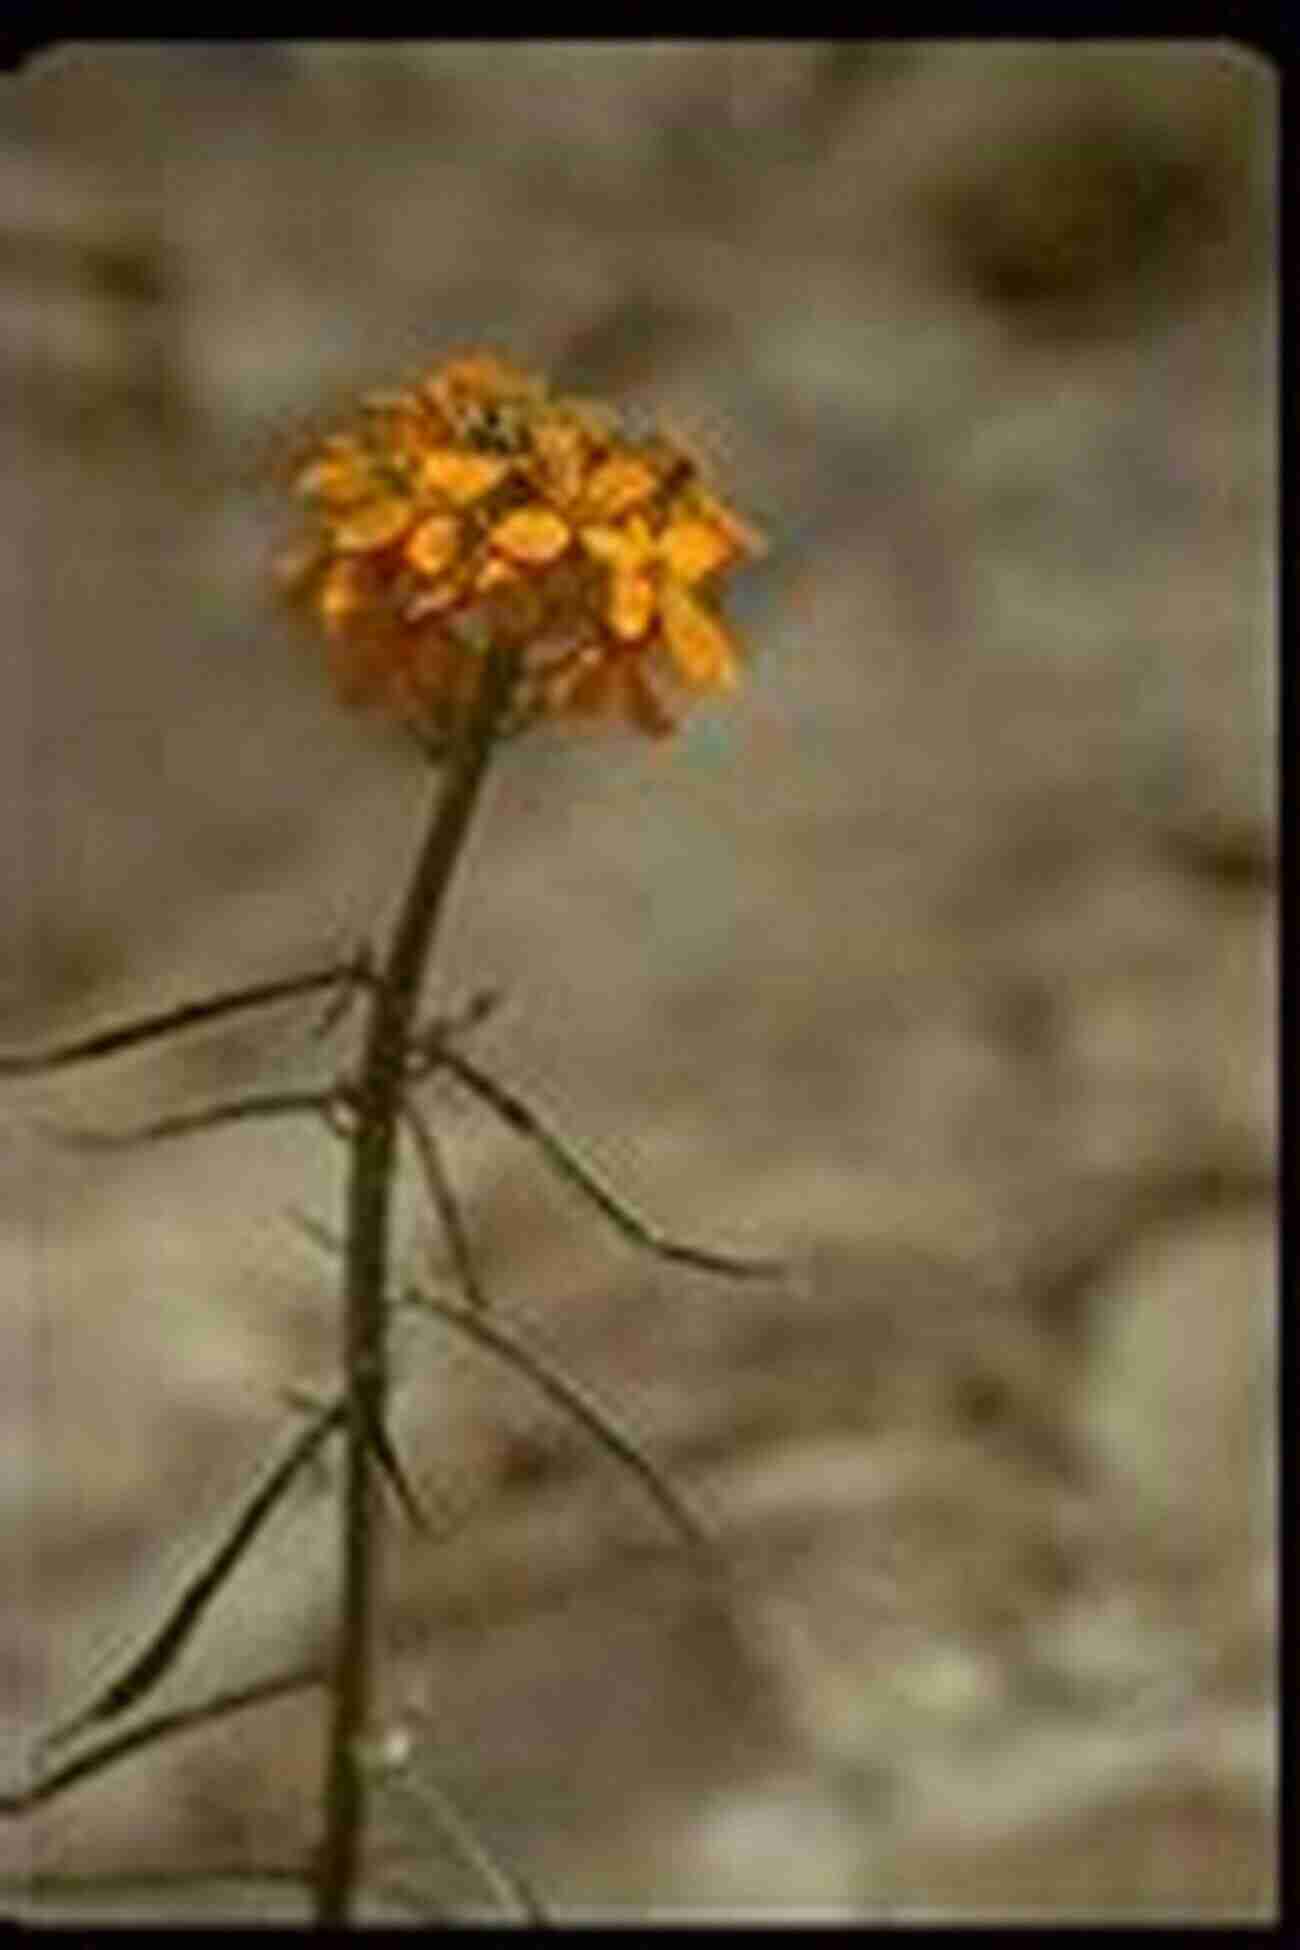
940 963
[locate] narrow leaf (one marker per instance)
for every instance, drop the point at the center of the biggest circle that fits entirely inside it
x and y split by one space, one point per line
445 1203
187 1015
276 1103
146 1732
514 1112
567 1394
151 1665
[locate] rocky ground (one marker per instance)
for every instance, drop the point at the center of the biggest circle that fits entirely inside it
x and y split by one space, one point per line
940 964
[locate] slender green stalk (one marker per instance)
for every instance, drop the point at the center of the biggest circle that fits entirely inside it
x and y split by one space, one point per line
377 1106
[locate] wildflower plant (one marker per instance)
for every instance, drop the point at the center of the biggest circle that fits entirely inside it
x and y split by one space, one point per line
481 555
477 509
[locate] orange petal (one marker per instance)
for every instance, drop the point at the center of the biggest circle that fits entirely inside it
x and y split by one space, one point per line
588 689
429 601
342 593
631 605
642 707
337 477
532 535
293 568
495 574
480 376
700 646
692 549
434 545
617 485
372 526
404 438
390 402
360 670
434 664
461 477
599 421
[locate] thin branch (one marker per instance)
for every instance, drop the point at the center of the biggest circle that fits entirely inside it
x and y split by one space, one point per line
187 1015
399 1481
429 1040
561 1157
445 1203
156 1659
326 1240
385 1455
337 1006
268 1104
163 1726
490 1333
322 1236
505 1882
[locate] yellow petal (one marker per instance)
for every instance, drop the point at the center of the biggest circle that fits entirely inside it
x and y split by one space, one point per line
692 549
617 485
434 545
629 547
532 535
745 539
561 446
462 478
700 645
608 545
631 605
372 526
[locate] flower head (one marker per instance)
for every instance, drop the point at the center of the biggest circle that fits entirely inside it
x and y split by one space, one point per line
475 506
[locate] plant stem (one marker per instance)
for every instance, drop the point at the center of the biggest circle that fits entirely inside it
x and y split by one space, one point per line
377 1106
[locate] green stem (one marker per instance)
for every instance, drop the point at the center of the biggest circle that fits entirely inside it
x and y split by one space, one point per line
377 1105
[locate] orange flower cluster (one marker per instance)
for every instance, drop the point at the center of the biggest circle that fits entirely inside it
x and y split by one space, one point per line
476 507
